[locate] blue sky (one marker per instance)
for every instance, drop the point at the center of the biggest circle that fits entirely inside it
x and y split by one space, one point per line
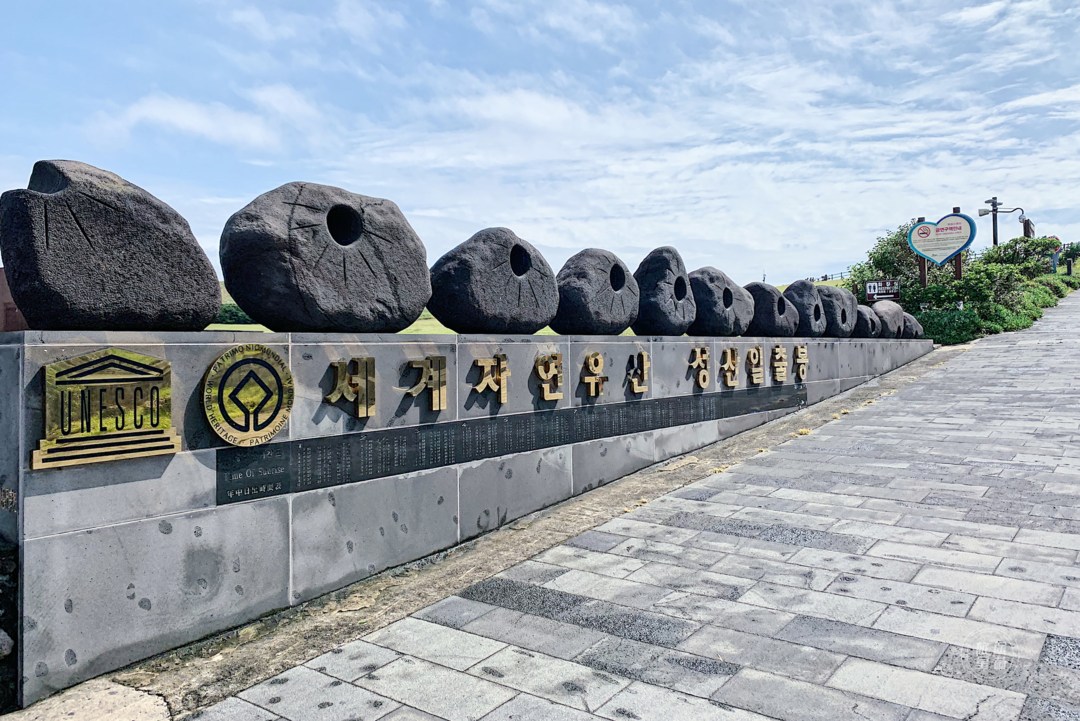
757 136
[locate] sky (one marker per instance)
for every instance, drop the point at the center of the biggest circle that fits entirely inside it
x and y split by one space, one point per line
763 137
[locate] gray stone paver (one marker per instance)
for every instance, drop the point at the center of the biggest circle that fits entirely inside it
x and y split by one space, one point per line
913 560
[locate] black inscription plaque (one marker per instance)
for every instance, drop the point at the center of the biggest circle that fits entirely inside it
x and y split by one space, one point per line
246 474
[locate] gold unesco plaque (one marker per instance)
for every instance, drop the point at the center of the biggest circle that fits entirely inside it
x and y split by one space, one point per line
248 395
105 406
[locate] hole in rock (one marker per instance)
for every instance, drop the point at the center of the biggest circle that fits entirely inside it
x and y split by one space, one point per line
817 312
728 298
618 277
680 288
520 262
781 306
843 316
344 224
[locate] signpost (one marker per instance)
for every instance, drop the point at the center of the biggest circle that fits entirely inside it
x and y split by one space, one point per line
882 290
942 241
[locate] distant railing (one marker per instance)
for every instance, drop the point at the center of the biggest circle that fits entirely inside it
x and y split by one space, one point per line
834 276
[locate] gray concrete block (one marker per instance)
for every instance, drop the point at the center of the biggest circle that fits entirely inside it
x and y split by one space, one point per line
498 490
453 611
554 638
523 388
10 449
301 693
441 691
619 357
313 376
598 462
234 709
697 675
524 706
675 441
868 643
72 498
824 356
345 533
672 372
792 700
114 595
821 390
353 660
432 642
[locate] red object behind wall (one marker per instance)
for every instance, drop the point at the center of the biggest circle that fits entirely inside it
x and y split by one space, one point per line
11 318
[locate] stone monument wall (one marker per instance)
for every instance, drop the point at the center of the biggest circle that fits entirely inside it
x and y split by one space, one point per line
159 532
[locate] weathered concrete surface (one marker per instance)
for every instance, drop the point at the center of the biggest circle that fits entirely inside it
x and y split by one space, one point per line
914 558
97 700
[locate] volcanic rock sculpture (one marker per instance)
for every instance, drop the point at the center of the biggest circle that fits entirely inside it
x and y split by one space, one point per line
912 327
494 282
804 296
597 295
724 308
667 306
891 316
773 314
84 249
315 258
841 310
867 325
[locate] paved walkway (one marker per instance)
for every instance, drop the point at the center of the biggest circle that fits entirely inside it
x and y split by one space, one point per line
913 560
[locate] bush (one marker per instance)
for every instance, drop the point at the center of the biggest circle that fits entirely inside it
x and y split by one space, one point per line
1054 284
1030 255
950 326
232 315
1070 280
1040 295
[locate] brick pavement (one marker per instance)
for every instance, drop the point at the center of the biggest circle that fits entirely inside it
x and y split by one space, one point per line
915 559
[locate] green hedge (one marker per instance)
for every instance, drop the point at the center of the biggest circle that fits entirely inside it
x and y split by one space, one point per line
232 315
950 326
1054 284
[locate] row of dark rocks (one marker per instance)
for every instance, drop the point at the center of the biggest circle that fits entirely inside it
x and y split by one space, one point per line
84 249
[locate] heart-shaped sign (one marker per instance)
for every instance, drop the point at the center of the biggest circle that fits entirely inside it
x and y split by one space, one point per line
944 240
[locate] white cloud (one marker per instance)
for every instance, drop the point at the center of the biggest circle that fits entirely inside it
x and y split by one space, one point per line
213 121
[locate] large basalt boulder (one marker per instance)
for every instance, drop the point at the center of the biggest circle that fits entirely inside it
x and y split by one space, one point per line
891 316
868 325
667 305
597 295
912 327
773 314
84 249
841 309
803 294
314 258
494 282
724 308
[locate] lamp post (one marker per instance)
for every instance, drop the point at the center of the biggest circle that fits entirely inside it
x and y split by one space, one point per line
994 209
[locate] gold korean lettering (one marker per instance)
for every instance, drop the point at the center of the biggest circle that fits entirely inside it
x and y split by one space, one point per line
729 365
357 387
639 374
549 369
779 364
699 361
494 375
802 360
755 371
432 377
590 374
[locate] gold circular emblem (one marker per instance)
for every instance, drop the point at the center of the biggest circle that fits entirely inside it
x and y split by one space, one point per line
248 394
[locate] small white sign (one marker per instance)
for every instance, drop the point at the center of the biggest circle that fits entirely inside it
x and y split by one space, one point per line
944 240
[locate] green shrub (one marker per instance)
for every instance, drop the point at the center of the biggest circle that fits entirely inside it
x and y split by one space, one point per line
997 318
950 326
1030 255
1056 286
232 315
1040 295
1070 280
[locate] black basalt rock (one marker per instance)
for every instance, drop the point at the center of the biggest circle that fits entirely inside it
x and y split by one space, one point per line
667 305
314 258
723 307
597 295
868 324
773 314
841 310
912 327
84 249
803 294
891 316
494 282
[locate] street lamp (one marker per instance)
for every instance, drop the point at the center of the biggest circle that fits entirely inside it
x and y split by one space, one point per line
994 210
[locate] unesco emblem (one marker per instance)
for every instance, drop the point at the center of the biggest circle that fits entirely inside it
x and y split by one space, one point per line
248 395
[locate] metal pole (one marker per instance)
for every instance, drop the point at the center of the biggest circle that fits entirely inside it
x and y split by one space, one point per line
993 212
